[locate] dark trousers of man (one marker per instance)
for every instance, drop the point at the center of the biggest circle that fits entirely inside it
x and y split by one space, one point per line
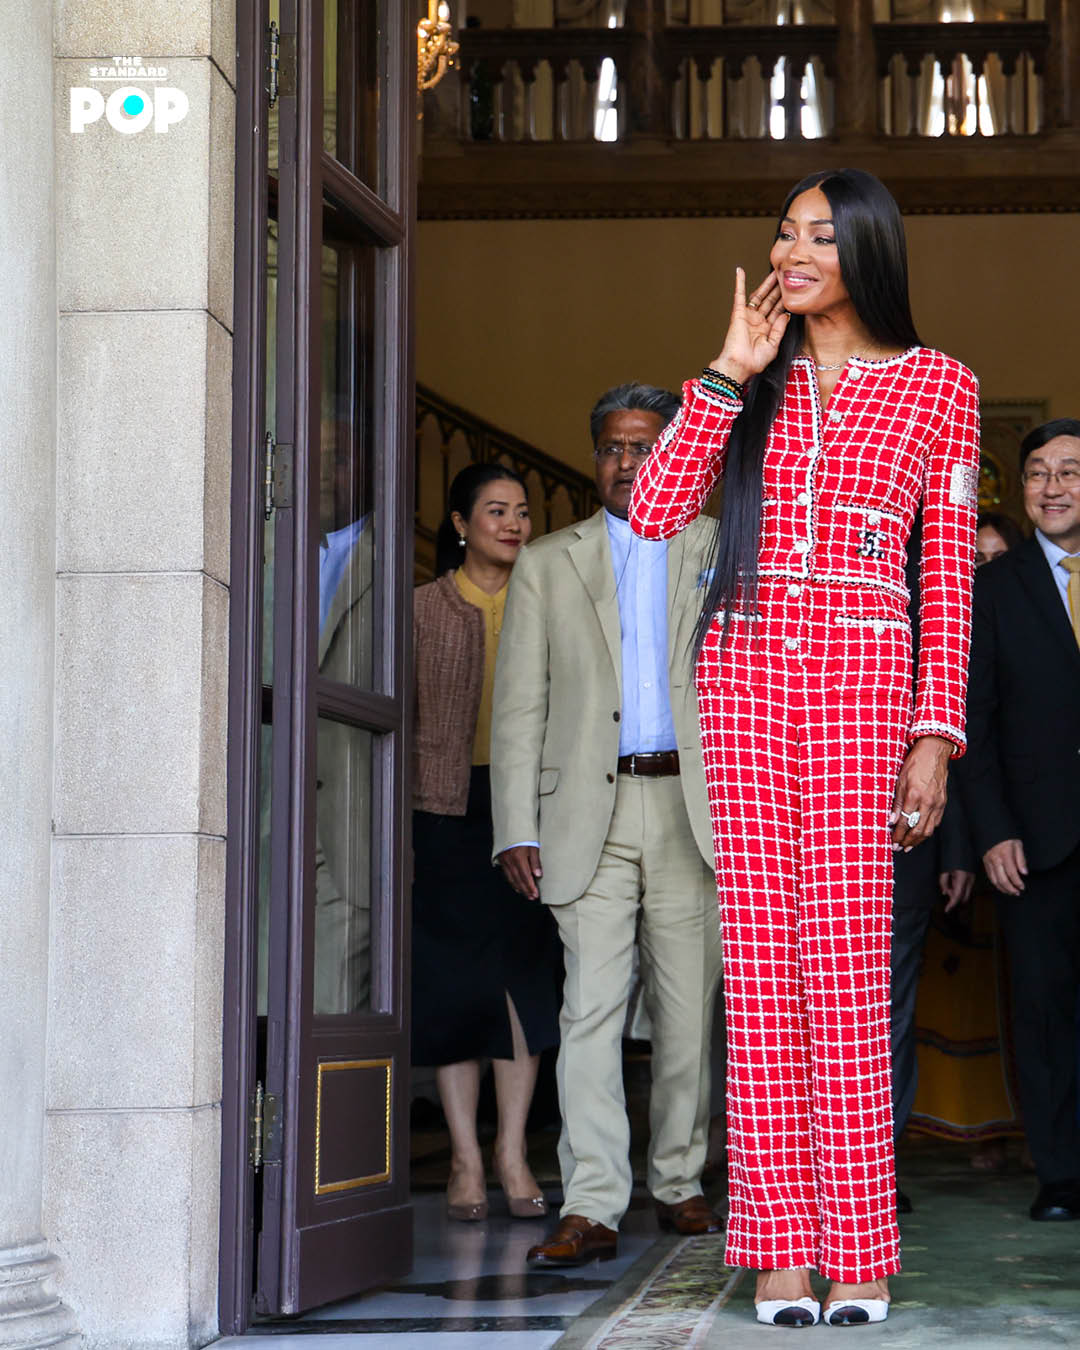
915 894
1041 929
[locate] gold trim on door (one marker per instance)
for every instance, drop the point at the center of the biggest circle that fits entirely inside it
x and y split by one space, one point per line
352 1183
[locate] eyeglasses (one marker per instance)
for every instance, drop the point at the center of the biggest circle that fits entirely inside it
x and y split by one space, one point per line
638 451
1068 478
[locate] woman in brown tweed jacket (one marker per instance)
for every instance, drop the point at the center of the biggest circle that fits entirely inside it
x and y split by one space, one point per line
486 962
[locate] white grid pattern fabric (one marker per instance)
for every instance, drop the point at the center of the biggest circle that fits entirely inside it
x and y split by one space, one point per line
840 491
805 713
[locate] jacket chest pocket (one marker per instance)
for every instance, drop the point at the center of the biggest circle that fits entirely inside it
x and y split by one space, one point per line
868 534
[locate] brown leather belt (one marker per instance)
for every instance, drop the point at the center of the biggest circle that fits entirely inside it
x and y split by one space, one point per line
659 764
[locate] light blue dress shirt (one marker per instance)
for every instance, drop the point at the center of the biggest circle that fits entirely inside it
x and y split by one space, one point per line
1054 554
641 586
334 551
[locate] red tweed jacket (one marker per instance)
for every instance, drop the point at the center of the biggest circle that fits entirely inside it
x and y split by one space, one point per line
448 654
841 488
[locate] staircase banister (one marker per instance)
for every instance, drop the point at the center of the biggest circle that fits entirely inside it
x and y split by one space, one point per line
491 441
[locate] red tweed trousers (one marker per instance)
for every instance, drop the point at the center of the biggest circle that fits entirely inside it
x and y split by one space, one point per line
801 769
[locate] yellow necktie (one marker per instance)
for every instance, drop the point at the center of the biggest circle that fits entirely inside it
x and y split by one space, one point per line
1072 566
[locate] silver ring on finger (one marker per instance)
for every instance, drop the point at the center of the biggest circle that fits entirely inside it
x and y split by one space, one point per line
912 818
752 304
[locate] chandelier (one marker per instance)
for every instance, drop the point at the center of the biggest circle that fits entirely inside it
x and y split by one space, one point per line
435 48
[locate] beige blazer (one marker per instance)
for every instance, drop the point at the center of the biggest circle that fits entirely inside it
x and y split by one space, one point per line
555 730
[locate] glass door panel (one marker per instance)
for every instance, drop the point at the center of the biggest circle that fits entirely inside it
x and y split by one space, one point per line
354 59
345 864
335 668
348 533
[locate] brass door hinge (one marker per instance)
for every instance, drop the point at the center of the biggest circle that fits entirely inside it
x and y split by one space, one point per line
277 475
255 1127
264 1127
281 64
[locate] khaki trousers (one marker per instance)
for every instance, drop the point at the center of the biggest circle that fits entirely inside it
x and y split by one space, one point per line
650 867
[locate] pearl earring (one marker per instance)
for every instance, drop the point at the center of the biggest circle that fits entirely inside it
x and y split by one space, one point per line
461 540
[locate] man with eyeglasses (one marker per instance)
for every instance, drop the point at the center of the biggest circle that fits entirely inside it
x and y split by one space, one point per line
600 811
1020 780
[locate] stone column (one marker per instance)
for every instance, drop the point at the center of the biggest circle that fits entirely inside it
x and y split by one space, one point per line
30 1313
856 66
144 248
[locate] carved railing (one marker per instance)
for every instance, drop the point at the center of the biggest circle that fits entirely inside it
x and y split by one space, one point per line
1011 58
721 82
491 56
448 437
740 61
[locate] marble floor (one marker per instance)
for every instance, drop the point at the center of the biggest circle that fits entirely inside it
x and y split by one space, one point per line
978 1275
469 1284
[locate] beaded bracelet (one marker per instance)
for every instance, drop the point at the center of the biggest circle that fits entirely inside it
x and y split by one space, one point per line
721 384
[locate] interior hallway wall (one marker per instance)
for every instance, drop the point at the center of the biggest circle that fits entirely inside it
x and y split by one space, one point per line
526 322
145 265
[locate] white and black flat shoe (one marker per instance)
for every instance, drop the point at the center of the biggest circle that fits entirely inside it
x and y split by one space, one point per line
855 1312
784 1312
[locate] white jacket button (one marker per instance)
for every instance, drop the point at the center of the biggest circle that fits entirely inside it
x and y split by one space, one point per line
873 517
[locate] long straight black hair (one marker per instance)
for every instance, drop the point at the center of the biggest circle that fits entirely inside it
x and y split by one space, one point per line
873 264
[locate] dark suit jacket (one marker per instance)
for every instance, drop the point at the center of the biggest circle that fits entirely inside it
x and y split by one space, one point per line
1020 777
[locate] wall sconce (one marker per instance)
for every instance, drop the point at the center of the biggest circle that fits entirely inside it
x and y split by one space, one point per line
435 48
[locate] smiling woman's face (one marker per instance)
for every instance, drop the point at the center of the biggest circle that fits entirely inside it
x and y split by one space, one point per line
805 257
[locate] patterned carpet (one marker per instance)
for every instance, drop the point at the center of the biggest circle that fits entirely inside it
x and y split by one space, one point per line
979 1275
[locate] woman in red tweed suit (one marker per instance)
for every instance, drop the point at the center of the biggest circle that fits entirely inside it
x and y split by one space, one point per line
831 425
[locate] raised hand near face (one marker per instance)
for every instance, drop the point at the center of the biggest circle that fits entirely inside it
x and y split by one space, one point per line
757 324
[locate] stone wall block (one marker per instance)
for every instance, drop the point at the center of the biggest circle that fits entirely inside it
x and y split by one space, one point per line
134 445
217 477
222 233
125 1204
209 962
102 28
130 730
204 1224
214 715
223 39
133 220
123 1007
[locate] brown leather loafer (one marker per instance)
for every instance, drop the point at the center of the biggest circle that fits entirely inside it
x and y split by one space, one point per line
575 1241
689 1218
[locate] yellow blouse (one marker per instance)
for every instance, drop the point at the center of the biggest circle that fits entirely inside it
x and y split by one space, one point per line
491 606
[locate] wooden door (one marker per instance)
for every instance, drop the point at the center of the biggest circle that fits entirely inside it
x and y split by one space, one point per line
323 876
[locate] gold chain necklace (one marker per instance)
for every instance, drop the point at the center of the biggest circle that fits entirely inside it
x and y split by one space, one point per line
819 365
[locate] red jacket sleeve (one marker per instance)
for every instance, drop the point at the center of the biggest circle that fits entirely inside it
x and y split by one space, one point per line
949 502
676 480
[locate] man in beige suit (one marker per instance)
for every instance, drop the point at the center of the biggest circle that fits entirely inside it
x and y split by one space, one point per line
600 811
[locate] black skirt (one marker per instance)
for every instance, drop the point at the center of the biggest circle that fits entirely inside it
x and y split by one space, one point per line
475 940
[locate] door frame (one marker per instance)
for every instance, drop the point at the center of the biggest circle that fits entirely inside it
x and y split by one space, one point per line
237 1212
237 1209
